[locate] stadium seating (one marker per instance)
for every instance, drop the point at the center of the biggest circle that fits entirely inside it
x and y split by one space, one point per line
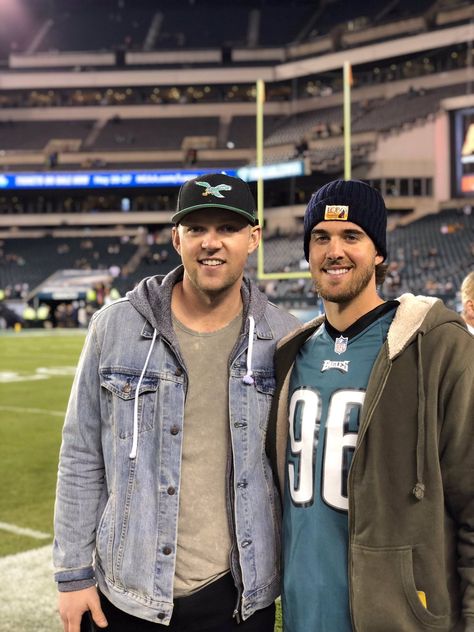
164 133
428 256
376 115
28 135
303 118
433 254
32 261
103 28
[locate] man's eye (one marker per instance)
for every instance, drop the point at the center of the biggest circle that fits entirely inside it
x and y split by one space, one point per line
319 238
229 228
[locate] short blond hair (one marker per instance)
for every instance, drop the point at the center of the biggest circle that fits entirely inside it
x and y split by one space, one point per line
467 288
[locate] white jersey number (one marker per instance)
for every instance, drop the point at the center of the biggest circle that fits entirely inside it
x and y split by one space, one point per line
338 445
309 404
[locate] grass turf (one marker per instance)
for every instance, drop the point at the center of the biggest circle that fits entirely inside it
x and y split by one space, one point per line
36 373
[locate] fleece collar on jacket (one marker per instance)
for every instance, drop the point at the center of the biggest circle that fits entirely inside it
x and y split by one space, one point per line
416 314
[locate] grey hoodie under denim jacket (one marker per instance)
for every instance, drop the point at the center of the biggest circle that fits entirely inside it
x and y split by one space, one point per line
115 522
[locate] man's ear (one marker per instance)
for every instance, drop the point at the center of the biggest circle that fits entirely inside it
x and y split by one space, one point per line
254 238
175 239
378 259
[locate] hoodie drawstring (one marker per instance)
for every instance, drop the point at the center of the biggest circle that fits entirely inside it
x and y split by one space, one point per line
419 489
133 452
248 379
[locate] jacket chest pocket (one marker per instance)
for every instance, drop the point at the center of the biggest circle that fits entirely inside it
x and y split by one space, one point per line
261 396
120 390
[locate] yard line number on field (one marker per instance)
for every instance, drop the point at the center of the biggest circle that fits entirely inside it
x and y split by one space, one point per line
41 373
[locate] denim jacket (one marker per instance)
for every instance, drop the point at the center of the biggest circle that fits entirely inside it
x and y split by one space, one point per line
117 498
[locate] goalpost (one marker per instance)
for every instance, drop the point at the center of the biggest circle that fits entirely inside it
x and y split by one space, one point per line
265 258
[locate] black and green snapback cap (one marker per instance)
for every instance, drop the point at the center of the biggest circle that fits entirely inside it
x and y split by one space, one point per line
216 190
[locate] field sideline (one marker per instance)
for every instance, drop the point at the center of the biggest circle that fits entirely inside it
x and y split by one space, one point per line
36 373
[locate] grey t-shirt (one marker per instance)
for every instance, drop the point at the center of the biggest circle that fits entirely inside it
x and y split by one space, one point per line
204 539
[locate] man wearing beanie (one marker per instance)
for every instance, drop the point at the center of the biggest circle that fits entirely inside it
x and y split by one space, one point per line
371 436
166 514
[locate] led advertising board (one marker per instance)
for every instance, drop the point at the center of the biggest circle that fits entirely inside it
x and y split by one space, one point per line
462 148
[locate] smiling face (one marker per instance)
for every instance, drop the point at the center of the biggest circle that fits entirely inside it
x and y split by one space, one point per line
214 245
342 260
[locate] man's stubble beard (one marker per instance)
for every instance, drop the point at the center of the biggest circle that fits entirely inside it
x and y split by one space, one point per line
356 287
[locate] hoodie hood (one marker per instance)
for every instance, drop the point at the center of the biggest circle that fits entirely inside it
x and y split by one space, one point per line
416 315
152 299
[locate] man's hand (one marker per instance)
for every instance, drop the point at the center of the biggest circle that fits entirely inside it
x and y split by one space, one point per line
73 605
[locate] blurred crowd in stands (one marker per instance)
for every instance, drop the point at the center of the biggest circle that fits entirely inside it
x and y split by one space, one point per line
429 256
323 84
48 314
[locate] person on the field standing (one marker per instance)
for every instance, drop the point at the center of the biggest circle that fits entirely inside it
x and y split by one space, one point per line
372 437
166 512
467 301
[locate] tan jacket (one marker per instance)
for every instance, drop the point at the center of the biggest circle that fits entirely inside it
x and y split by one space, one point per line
411 484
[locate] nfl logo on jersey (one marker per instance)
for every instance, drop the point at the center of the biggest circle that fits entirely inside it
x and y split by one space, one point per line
340 345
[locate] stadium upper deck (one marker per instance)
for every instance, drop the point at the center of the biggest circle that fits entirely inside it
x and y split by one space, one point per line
125 105
141 25
261 32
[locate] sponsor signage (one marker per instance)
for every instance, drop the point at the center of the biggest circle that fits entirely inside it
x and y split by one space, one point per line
137 179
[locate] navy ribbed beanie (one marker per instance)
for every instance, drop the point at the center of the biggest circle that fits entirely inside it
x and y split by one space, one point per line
352 201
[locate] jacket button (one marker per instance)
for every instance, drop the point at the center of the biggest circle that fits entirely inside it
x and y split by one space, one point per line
166 550
242 483
245 543
127 388
174 430
171 491
178 372
161 615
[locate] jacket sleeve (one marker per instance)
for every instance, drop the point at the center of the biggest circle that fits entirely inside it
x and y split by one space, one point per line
457 466
81 479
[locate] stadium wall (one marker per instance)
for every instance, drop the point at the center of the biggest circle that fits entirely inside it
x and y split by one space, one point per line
405 154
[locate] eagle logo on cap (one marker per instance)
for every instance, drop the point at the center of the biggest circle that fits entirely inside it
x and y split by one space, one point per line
216 191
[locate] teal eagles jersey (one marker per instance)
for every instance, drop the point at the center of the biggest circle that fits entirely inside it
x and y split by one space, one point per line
327 390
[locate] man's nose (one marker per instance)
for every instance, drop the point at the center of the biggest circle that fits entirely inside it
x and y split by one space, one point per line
335 249
211 240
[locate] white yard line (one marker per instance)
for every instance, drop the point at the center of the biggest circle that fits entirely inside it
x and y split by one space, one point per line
41 333
31 533
33 411
28 593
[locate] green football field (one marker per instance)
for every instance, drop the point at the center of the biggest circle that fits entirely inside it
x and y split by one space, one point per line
36 373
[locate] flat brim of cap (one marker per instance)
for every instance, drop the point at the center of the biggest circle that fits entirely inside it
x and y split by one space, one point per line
177 217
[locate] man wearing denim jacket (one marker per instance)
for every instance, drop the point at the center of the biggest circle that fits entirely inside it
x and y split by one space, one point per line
166 510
